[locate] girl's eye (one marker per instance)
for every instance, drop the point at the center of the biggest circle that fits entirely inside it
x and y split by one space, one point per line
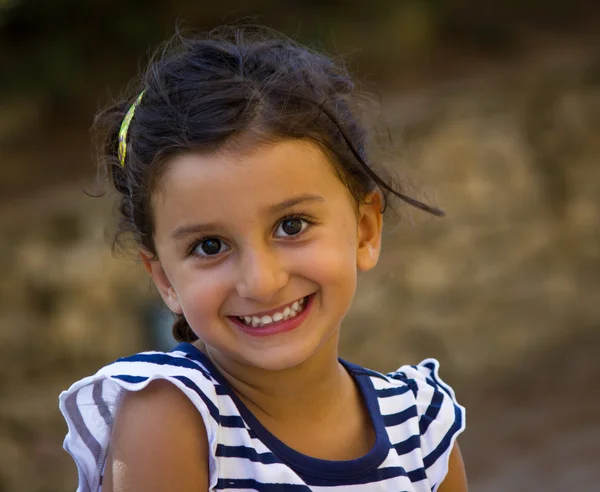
291 227
209 247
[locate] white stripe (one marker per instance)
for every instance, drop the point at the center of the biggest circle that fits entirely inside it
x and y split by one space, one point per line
396 404
242 468
146 369
396 483
379 383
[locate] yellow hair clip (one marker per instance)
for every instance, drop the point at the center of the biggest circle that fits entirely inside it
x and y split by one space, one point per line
124 127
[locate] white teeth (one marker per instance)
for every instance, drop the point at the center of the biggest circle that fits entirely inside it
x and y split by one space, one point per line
288 312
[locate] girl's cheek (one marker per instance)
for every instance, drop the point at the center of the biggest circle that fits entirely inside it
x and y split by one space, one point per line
330 264
205 289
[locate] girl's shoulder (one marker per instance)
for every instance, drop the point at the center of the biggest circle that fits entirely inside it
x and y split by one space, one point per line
184 366
90 405
420 382
421 415
441 417
422 378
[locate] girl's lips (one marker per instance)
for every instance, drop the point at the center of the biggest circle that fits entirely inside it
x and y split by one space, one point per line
278 326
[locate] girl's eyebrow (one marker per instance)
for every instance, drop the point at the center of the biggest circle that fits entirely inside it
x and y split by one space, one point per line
183 231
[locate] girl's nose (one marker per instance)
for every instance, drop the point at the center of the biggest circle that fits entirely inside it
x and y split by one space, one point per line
261 275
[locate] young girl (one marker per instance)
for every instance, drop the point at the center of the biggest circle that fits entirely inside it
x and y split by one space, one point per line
243 176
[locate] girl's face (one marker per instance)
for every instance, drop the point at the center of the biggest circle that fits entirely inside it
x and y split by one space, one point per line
260 251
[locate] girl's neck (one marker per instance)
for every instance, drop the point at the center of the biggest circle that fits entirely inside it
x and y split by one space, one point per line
293 394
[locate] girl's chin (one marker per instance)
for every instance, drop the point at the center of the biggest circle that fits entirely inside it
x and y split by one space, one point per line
279 358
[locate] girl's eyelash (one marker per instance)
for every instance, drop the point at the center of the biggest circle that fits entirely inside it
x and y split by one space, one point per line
305 218
309 220
197 242
193 246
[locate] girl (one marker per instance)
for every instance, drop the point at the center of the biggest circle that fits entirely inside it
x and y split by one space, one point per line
243 176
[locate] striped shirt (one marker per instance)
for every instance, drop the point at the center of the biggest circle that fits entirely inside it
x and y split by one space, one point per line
415 416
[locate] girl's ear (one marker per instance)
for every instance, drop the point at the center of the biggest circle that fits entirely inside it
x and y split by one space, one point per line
154 267
370 223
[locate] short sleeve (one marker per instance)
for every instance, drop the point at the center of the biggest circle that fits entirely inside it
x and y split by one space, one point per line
441 417
89 407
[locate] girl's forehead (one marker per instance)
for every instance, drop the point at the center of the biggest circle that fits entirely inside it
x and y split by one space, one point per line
269 158
266 175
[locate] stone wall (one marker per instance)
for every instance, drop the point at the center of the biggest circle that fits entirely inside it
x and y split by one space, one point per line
511 272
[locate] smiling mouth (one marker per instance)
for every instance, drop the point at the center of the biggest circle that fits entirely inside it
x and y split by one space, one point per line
282 314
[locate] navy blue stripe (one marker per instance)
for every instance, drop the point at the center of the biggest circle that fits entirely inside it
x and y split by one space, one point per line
232 421
368 372
251 484
251 454
377 475
130 379
212 408
443 446
401 376
438 382
400 417
417 475
398 375
408 445
394 391
167 360
432 411
202 364
236 422
358 370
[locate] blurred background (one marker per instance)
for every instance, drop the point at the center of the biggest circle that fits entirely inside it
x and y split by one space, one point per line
490 110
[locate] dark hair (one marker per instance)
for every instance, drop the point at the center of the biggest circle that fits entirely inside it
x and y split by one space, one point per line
234 88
